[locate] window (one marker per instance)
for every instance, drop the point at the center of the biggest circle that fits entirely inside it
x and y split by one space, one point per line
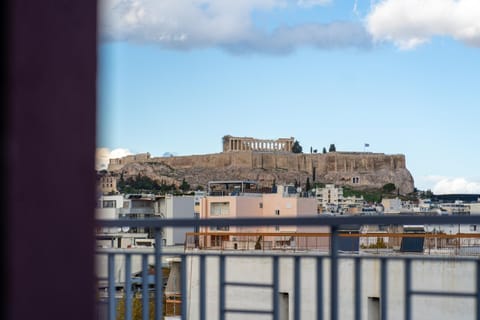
355 180
473 227
220 208
260 205
109 204
277 228
277 212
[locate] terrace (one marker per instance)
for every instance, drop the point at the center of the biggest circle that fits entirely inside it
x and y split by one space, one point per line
295 282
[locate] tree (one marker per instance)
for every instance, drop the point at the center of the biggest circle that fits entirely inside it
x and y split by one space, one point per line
332 148
297 148
307 185
184 186
324 150
389 187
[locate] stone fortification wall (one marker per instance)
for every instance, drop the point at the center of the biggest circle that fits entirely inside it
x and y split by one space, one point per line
117 164
324 163
360 170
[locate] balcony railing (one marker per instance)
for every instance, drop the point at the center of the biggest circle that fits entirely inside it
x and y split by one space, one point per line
129 211
208 283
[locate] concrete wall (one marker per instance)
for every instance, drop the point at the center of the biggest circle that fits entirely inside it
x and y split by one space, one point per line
427 275
178 208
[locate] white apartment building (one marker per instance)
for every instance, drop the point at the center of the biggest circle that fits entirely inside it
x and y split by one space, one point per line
137 206
110 207
392 206
329 195
175 207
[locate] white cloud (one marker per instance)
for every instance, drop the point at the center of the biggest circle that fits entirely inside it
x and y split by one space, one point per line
446 185
103 156
409 23
188 24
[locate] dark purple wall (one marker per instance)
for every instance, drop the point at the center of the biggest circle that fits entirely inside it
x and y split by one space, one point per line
50 75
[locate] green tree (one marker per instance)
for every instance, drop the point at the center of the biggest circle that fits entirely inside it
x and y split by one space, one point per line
324 150
332 148
184 186
389 188
296 148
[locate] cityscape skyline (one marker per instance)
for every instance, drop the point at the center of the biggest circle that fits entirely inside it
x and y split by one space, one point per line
176 76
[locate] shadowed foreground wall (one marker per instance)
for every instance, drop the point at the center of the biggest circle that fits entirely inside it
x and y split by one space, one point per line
49 112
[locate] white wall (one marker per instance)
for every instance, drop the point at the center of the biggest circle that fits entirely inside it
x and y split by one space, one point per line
178 208
427 275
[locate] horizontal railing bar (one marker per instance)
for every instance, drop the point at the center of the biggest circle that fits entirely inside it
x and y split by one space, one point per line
267 254
246 284
443 294
298 221
248 311
327 234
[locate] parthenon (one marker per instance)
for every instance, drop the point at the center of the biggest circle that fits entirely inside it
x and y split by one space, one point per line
251 144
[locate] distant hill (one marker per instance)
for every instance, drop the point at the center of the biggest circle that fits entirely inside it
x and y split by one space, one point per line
359 170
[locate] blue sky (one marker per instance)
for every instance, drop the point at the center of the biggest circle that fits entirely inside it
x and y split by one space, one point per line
403 76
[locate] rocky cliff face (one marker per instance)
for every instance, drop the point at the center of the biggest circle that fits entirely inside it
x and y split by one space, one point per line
358 170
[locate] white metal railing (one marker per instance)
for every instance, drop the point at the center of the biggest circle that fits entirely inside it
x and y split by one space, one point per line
312 286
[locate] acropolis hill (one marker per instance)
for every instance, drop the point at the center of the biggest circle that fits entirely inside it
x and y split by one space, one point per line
266 161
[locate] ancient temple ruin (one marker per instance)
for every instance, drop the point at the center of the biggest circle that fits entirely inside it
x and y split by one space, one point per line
251 144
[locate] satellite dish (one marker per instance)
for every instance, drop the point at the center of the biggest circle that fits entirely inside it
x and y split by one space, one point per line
125 229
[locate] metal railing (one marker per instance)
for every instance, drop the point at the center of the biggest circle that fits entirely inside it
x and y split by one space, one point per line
216 284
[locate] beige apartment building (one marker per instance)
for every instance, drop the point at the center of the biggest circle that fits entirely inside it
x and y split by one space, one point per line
266 205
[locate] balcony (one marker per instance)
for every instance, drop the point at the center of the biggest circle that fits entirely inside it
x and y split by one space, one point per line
129 211
291 278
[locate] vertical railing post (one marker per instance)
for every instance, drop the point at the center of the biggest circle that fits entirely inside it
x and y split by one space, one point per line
334 273
111 287
383 289
477 265
319 288
128 286
221 290
358 288
202 292
297 286
158 275
275 290
145 285
408 289
184 281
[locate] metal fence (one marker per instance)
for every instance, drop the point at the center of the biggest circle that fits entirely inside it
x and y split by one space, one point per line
300 284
